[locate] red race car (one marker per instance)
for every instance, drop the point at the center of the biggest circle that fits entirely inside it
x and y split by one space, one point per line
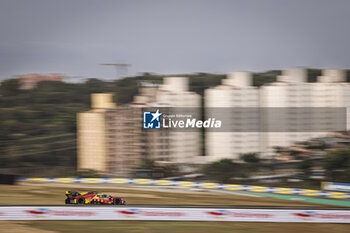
74 197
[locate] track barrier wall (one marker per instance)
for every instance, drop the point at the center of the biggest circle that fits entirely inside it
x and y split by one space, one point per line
173 214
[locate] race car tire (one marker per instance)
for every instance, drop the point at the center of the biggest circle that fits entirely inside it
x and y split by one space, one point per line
116 201
67 201
81 201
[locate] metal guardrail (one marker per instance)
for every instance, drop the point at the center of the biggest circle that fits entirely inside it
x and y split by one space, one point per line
234 187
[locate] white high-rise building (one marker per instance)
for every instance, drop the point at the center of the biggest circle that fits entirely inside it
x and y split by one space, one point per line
185 147
236 93
287 102
182 148
293 91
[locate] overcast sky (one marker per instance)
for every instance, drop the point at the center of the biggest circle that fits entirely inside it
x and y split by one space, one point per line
74 37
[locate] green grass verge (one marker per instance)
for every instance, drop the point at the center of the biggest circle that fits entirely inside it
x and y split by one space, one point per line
344 203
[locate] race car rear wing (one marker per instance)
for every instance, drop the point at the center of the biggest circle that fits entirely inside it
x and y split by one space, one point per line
75 193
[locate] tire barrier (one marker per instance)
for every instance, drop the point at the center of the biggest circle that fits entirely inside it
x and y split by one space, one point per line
173 214
199 185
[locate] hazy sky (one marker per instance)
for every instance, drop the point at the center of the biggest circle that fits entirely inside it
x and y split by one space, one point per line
74 36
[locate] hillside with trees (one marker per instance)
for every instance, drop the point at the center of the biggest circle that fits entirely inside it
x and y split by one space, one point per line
38 126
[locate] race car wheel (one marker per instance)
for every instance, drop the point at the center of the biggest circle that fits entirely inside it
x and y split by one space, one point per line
81 201
116 201
67 201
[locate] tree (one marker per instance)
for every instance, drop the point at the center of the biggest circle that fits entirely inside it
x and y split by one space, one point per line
222 170
337 164
305 167
87 173
318 146
251 158
260 79
278 149
251 162
150 168
10 87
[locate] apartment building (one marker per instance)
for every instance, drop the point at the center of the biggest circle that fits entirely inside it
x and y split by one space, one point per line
109 137
168 146
30 81
236 101
124 140
292 91
154 143
185 147
286 118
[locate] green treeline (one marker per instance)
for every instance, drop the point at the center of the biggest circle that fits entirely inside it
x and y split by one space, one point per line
38 126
